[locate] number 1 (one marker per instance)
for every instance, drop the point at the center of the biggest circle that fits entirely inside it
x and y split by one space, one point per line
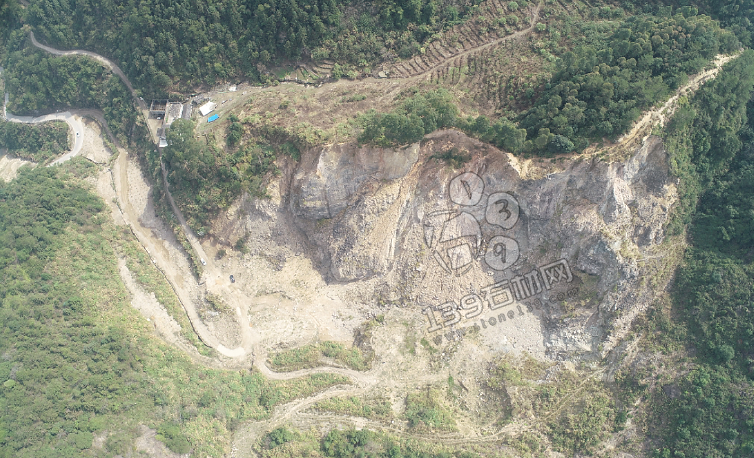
433 326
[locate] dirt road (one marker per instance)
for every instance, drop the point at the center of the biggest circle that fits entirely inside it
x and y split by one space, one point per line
143 108
439 57
77 129
658 116
184 286
108 63
153 245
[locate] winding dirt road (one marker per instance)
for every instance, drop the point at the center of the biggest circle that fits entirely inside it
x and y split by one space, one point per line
426 69
108 63
77 129
68 116
144 234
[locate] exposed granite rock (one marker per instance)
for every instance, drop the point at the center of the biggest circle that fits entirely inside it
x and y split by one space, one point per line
387 214
325 183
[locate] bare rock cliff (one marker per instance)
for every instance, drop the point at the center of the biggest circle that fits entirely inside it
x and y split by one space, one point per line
552 257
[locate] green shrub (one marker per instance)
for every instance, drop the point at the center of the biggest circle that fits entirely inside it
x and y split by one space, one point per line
279 436
580 430
417 116
170 434
452 157
424 410
599 92
311 356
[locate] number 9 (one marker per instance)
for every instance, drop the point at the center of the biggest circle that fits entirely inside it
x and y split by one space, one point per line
474 303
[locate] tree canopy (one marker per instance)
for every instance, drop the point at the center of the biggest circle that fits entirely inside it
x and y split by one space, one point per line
159 43
38 142
599 93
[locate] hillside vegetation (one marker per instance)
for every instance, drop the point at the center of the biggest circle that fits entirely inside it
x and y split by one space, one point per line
600 92
38 143
162 43
595 92
41 83
715 286
707 411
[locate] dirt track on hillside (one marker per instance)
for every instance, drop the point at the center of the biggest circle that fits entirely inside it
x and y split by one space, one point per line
659 116
439 58
108 63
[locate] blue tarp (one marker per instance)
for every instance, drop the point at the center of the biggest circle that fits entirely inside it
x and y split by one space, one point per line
213 118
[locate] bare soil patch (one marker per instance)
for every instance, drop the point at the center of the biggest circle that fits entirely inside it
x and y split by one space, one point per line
94 147
9 167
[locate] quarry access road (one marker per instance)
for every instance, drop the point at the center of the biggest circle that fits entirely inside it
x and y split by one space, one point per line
108 63
145 235
75 124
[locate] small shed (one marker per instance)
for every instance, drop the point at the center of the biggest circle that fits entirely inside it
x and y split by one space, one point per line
214 117
207 108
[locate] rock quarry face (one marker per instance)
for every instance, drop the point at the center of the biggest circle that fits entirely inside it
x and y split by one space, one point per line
548 257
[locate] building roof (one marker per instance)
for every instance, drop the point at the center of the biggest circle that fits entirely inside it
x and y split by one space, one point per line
213 117
173 112
207 108
187 111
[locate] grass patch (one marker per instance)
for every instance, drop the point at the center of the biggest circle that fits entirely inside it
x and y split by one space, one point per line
353 98
375 409
584 425
319 354
452 158
424 411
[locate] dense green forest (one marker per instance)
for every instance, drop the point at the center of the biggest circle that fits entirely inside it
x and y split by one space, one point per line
40 82
159 43
734 15
10 16
38 142
599 93
201 177
204 177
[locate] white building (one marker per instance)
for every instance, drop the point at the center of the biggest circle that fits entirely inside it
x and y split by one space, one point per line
207 108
